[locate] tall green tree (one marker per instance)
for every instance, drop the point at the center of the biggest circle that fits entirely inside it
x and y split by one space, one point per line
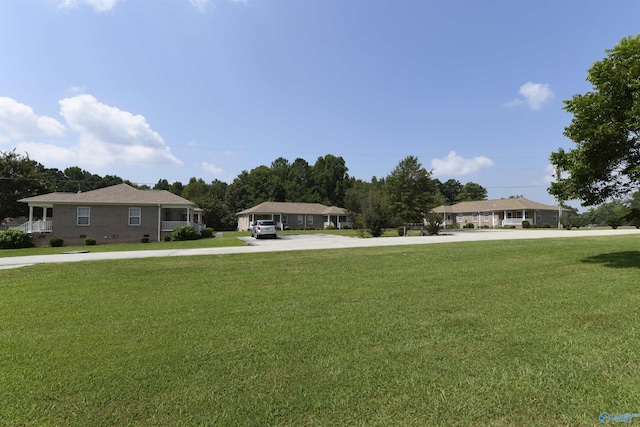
449 190
471 192
299 184
20 177
411 191
606 130
331 179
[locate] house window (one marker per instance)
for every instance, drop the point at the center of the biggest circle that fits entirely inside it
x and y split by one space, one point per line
538 216
134 216
285 219
300 219
310 220
519 214
83 216
486 216
474 217
460 217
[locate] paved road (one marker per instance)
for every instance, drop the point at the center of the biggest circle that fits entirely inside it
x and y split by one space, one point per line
312 241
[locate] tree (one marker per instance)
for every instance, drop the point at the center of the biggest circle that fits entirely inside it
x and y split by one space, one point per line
20 177
606 130
374 214
472 192
411 191
331 179
449 190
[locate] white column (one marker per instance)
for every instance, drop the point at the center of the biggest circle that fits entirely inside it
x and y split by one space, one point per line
30 219
159 221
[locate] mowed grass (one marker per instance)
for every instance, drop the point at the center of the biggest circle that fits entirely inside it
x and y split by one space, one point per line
227 239
531 332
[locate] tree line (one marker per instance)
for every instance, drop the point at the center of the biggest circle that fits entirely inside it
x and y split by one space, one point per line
404 195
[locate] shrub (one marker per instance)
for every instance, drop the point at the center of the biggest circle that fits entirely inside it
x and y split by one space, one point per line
184 232
469 225
206 233
167 238
401 231
15 239
546 225
330 227
56 242
90 241
526 224
144 240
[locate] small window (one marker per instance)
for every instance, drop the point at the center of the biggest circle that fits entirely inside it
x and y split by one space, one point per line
83 216
474 217
134 216
285 219
300 219
486 216
310 220
460 217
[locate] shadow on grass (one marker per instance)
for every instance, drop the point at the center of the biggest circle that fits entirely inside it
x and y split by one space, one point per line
626 259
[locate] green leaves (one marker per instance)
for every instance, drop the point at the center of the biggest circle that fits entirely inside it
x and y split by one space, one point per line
605 127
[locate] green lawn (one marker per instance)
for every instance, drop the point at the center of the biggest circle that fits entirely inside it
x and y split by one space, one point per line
531 332
227 239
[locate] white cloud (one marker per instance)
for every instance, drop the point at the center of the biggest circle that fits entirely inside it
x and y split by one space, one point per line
201 5
48 154
211 168
456 165
18 120
97 5
534 94
109 135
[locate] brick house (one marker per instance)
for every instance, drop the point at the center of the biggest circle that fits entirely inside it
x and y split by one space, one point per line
115 214
500 213
296 216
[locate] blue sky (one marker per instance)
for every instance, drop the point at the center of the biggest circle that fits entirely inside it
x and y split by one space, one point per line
174 89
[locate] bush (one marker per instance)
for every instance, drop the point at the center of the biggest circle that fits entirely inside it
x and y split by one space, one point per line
330 227
469 225
15 239
56 242
401 231
546 225
206 233
184 232
144 240
526 224
167 238
90 241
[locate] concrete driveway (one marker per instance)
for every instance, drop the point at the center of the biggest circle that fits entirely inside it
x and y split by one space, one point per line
299 242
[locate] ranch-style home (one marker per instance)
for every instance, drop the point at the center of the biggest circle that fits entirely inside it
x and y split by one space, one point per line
499 213
296 216
116 214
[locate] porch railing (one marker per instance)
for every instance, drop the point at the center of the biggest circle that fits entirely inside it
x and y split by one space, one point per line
340 224
170 225
514 221
36 227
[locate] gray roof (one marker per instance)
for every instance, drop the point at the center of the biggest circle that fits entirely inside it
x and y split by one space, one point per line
293 208
495 205
114 195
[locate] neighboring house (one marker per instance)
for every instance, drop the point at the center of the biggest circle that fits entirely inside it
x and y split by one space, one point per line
296 216
499 213
116 214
